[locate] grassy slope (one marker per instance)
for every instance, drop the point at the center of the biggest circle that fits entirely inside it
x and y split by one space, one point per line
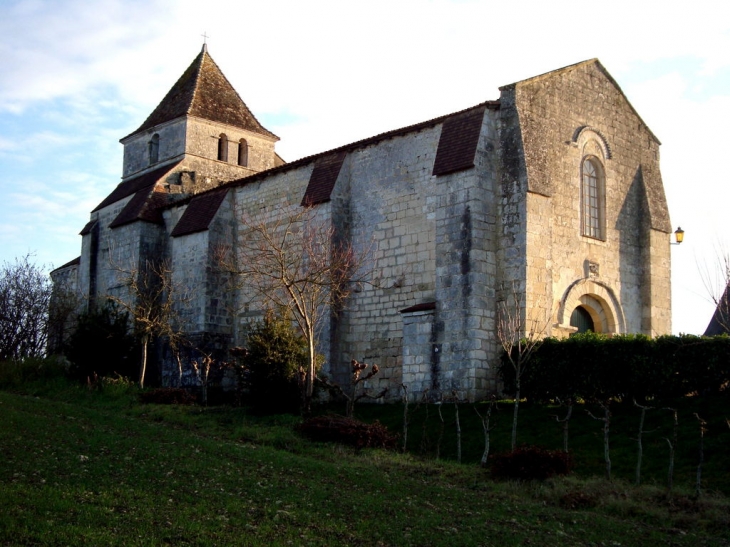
85 469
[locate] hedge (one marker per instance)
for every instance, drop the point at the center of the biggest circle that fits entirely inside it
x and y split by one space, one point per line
594 366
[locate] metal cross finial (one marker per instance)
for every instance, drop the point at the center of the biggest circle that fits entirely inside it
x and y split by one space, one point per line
205 41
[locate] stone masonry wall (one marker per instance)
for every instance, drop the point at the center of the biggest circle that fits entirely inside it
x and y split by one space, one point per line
195 141
564 117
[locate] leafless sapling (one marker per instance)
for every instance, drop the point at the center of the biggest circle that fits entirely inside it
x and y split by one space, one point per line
701 455
606 419
672 447
639 440
519 332
486 428
566 423
357 377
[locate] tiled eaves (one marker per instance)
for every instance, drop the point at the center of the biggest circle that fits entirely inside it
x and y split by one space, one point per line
323 178
258 177
75 262
131 186
458 142
145 205
200 211
87 227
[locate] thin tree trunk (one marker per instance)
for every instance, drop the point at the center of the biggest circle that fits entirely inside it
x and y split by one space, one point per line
701 458
606 430
405 416
672 444
309 377
441 430
143 364
639 438
487 429
514 416
458 428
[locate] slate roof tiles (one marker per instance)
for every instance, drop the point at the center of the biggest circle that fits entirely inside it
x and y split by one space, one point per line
204 92
200 211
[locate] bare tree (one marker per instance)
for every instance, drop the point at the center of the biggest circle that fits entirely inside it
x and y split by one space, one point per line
566 423
25 293
672 447
701 455
152 302
298 262
357 377
519 331
639 440
487 428
606 419
715 276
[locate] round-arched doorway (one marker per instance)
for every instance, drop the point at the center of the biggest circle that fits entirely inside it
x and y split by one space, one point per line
581 319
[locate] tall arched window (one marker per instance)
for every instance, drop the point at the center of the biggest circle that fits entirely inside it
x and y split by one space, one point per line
153 148
223 147
592 198
243 153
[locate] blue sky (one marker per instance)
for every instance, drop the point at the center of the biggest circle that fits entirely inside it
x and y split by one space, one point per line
76 76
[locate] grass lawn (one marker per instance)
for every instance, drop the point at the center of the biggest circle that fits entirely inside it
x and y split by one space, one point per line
81 467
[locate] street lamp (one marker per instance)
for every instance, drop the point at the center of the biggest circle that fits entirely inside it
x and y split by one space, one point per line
678 236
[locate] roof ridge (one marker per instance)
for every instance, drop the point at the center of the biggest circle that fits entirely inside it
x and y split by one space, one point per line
236 92
494 104
198 72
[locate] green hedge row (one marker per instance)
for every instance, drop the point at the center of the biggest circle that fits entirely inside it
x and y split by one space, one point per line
592 366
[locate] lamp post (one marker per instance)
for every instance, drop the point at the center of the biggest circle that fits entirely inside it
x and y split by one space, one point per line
678 236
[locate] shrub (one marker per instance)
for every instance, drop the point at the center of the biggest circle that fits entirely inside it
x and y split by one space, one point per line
627 366
348 431
276 353
16 372
530 463
167 396
102 345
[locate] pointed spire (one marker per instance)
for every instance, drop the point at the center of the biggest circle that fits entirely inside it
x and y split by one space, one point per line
204 92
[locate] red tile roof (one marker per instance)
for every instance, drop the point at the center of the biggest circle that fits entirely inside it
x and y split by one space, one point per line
133 185
200 212
323 178
458 143
145 205
204 92
87 227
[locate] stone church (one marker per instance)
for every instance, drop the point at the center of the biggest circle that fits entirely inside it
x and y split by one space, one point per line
552 191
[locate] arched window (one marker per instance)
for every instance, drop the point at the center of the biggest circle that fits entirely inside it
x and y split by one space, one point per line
153 148
243 153
582 320
223 147
592 198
